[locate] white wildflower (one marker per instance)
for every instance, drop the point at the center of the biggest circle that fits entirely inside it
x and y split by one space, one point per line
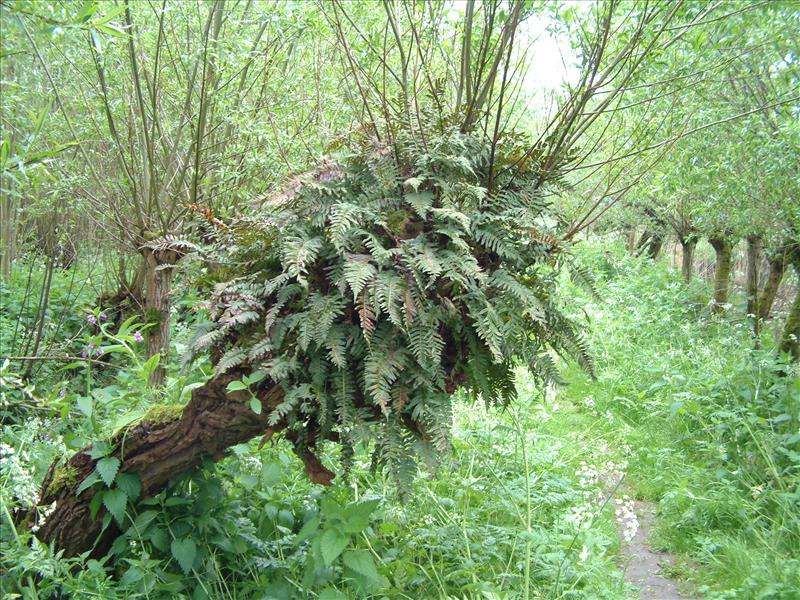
584 554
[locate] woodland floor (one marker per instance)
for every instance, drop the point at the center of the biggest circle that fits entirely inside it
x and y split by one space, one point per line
644 566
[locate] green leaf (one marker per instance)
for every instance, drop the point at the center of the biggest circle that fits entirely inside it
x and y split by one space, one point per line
132 575
420 202
126 419
90 480
99 450
255 405
112 29
126 325
306 531
235 386
331 594
86 11
85 405
107 468
150 366
358 271
143 521
115 501
255 377
130 484
357 515
158 537
361 562
184 551
95 504
332 544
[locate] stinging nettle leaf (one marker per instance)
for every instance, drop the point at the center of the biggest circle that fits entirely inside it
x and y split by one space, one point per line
332 543
115 500
90 480
184 551
362 563
130 484
107 468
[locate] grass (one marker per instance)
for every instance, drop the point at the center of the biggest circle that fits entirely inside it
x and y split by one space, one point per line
709 428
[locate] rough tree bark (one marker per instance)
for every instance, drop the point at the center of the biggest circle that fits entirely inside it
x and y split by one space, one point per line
790 339
158 283
630 240
777 267
687 260
724 253
754 248
158 451
650 244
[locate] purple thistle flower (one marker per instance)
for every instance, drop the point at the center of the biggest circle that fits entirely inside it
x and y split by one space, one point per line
91 319
103 317
137 337
97 353
85 354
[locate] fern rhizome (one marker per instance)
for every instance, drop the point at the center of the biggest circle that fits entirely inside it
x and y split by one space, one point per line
373 287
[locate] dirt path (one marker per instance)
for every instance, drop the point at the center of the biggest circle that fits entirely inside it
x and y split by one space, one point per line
643 564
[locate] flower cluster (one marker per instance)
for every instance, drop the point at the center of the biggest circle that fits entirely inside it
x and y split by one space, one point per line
581 516
626 518
42 512
92 319
250 463
584 554
91 350
597 483
17 479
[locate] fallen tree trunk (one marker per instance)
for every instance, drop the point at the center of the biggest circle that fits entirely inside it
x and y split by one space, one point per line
158 449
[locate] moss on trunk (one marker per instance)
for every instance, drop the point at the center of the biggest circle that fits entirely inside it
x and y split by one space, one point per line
722 275
777 267
754 247
166 442
790 339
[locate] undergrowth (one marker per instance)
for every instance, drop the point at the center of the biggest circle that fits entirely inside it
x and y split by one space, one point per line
531 503
708 421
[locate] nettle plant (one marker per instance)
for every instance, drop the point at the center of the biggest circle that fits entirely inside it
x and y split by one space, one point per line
372 288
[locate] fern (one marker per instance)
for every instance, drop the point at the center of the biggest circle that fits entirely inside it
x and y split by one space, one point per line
232 358
298 253
358 271
385 278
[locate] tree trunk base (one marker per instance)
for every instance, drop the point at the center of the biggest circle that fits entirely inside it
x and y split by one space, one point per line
158 449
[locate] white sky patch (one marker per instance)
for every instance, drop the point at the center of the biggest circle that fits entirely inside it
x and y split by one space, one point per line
549 63
549 60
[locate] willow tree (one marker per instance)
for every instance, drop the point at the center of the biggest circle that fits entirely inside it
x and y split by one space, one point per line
166 103
419 257
730 186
